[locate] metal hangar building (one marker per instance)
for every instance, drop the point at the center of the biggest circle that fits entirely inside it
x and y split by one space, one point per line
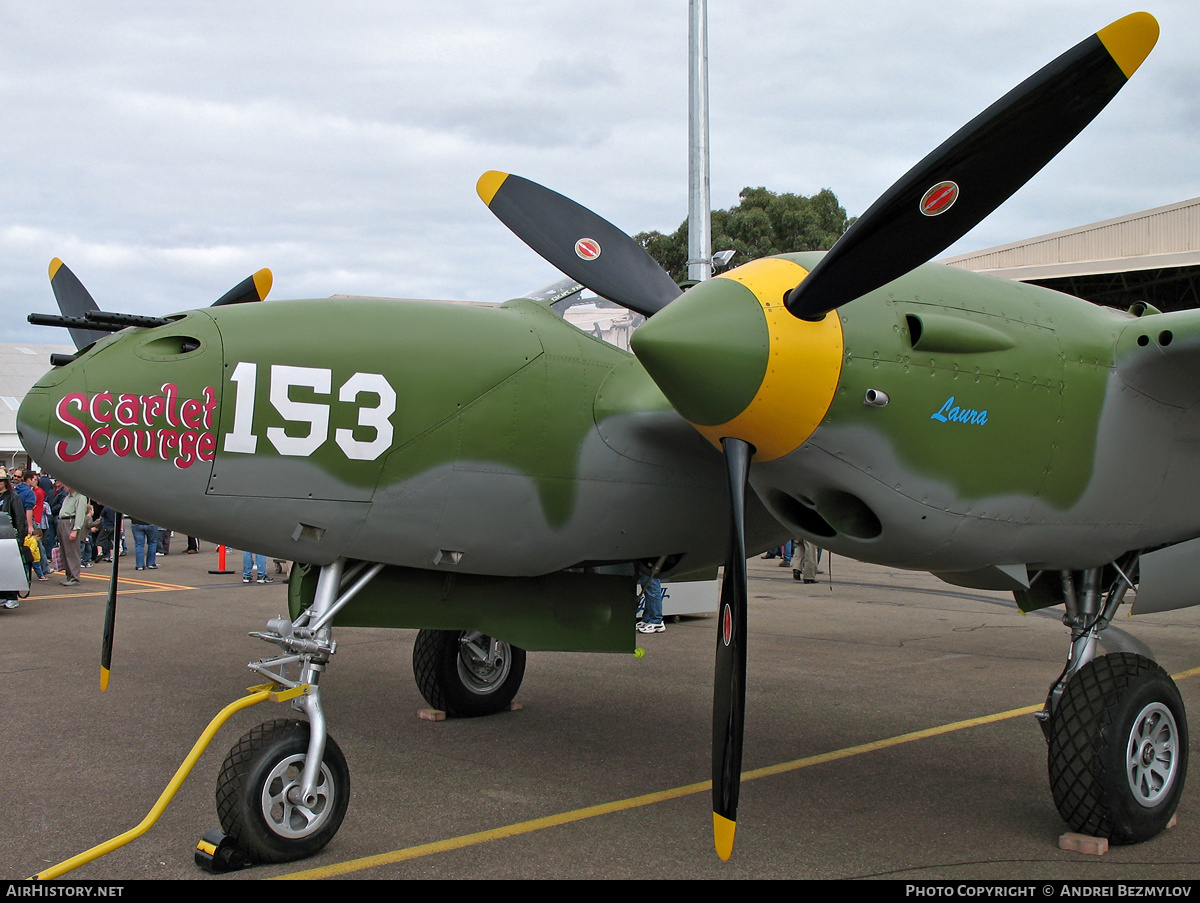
1151 256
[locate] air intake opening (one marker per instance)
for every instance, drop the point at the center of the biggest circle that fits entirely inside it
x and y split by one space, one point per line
914 329
799 516
848 514
830 513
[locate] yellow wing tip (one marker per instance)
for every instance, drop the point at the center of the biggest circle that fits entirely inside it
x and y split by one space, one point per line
723 831
1129 40
263 280
55 265
489 183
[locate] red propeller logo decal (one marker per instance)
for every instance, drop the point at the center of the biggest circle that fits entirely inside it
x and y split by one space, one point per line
727 625
939 198
587 248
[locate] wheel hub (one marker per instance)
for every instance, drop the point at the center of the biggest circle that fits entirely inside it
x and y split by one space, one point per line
1153 761
483 662
286 814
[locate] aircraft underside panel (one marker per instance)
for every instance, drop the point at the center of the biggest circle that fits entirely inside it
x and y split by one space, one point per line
558 612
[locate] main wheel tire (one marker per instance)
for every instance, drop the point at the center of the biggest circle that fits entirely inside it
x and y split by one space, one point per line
1118 749
454 678
252 793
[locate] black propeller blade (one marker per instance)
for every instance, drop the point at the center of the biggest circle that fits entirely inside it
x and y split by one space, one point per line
252 288
74 301
729 682
110 611
578 242
945 195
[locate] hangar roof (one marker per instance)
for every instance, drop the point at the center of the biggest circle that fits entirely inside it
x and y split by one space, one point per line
1153 255
1152 239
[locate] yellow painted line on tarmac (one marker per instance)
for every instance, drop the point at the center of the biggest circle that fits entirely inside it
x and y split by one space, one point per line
470 840
138 581
899 740
552 821
1183 675
649 799
126 584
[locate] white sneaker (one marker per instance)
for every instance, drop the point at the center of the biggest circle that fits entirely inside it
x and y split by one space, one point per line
12 603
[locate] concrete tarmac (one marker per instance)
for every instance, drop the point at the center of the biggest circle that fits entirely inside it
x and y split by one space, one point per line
885 739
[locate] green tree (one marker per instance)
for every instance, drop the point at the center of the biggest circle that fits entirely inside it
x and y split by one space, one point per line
761 224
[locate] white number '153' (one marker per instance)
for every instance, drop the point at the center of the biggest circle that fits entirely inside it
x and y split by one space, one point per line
242 438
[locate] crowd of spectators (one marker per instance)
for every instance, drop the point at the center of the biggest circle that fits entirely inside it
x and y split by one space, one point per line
62 531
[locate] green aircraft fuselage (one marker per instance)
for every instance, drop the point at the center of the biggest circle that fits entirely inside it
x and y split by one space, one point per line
474 439
1021 426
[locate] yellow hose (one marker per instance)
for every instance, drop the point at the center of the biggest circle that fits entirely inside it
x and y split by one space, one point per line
259 695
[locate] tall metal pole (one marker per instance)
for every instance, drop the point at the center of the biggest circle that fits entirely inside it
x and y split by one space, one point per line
699 222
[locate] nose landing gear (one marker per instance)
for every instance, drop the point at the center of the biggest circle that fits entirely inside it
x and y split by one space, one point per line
259 798
284 787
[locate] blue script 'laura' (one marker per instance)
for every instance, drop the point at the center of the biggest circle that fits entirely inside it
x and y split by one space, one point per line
952 413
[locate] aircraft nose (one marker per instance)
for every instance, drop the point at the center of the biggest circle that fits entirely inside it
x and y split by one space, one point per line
136 405
735 363
38 424
33 423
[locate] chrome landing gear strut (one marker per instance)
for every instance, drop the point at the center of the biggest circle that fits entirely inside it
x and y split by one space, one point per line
283 788
1087 614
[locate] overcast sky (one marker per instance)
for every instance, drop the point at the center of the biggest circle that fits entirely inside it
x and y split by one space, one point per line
166 150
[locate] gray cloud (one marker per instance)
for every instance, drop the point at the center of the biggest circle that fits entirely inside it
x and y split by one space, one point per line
166 151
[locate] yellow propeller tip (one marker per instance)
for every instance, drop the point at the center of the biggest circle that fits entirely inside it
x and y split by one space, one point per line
263 280
103 679
1129 40
489 183
723 831
54 267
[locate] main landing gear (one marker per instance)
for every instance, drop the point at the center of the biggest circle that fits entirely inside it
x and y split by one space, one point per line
467 673
1117 731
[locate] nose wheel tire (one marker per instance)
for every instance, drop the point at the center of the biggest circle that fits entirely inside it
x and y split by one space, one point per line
465 673
257 793
1118 749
